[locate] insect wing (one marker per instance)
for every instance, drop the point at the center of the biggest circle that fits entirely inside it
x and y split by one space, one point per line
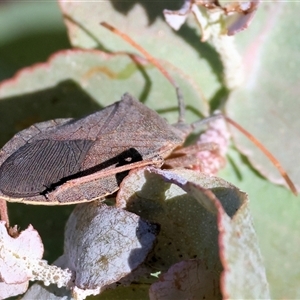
37 163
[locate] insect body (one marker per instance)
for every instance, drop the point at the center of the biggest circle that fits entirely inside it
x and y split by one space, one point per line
38 164
67 161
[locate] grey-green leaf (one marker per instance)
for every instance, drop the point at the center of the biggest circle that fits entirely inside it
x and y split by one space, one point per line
222 237
104 244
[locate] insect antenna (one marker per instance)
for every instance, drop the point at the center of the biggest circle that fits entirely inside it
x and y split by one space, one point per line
201 122
155 62
267 153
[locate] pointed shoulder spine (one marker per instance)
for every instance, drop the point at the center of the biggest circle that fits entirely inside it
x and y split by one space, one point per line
128 98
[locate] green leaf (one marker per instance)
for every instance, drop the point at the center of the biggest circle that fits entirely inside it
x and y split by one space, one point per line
221 235
145 24
274 209
75 82
275 214
267 105
103 244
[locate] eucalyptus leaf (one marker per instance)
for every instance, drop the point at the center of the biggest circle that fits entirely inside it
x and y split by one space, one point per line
40 98
144 22
275 213
267 105
104 244
20 261
51 292
75 82
219 234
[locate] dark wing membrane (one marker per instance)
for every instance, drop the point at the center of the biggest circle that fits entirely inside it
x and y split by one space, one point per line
127 116
38 165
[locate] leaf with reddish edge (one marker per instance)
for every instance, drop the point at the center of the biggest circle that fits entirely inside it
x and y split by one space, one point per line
20 261
74 83
209 221
275 213
267 105
14 253
244 274
144 23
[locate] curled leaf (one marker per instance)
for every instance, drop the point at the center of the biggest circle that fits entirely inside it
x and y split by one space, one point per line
104 244
268 104
177 18
244 275
201 217
237 15
18 255
20 261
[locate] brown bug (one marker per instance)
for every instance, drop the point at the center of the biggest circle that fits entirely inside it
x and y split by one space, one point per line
69 161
